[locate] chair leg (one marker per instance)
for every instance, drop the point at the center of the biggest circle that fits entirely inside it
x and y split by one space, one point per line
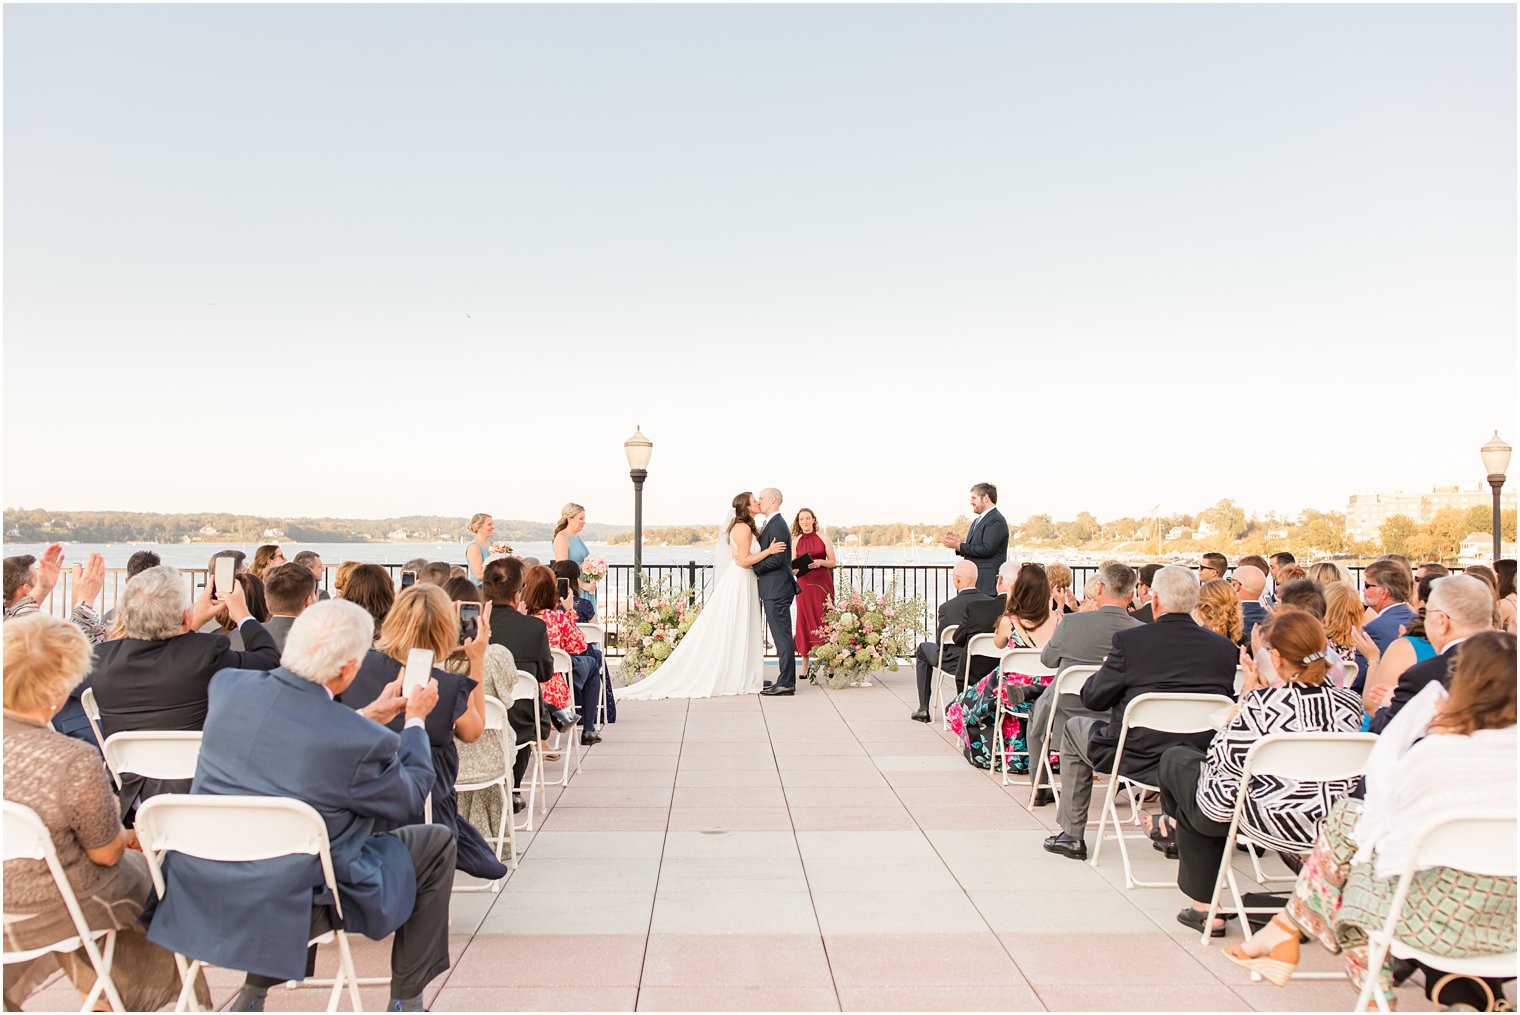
346 960
1108 804
187 971
103 982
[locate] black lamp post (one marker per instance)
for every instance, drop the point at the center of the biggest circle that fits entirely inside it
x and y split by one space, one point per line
637 449
1496 460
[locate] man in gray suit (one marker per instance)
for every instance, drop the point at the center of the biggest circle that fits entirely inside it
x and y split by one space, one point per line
289 591
1081 638
313 560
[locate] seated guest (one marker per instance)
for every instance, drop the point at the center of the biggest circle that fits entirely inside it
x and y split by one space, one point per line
1142 612
1302 594
265 559
1325 573
1505 569
312 561
136 565
1028 622
424 618
1344 617
1218 610
1173 655
340 577
282 734
156 677
1430 567
29 582
585 613
369 586
1459 608
485 758
1082 639
1346 887
983 616
435 573
1199 790
1250 585
1486 575
1062 599
289 590
585 609
1385 668
258 609
1386 585
415 565
63 782
1212 566
527 638
1090 594
951 611
541 600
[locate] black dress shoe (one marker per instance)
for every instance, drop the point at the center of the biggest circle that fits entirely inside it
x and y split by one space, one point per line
563 719
588 738
770 683
776 691
922 715
518 804
1066 845
1043 798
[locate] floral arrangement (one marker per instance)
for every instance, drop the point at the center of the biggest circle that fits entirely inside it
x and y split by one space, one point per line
593 570
864 632
658 617
501 547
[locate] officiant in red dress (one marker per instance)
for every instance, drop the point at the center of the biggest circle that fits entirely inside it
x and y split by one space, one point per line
814 565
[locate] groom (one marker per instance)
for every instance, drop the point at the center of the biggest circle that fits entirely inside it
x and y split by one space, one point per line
777 590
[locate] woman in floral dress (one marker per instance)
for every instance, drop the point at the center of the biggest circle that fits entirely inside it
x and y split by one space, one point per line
1027 622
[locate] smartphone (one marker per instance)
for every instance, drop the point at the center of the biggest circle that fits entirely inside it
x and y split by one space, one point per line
223 578
469 613
419 667
408 579
564 587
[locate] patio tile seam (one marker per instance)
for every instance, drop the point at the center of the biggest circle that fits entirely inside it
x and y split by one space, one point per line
660 868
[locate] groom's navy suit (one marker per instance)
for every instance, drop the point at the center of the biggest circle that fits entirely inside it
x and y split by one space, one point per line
778 588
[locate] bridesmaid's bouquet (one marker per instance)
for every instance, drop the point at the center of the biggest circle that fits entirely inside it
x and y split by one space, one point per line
502 547
593 570
658 617
865 632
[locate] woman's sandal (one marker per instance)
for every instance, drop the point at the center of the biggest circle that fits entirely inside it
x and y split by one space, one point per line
1277 965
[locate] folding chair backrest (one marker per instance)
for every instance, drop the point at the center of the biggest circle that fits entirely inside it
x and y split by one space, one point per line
1240 679
496 714
1175 713
156 754
1025 661
561 661
1310 757
91 710
984 645
1478 845
26 837
525 687
595 634
1071 679
948 634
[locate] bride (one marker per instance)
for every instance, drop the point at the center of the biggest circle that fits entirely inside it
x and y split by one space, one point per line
723 653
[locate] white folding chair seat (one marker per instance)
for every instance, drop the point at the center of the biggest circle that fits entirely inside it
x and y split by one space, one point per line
1165 713
27 838
506 831
1478 844
525 688
936 698
1068 681
239 829
1296 757
596 634
568 740
153 754
1015 660
92 713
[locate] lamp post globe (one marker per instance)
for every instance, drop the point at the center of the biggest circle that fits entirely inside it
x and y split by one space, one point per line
1496 462
637 450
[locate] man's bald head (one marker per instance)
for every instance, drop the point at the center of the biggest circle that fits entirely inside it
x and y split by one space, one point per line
770 500
964 575
1252 582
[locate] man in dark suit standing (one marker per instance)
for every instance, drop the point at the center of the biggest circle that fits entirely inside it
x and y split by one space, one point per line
527 638
986 543
1460 606
281 734
778 587
1173 655
312 560
951 611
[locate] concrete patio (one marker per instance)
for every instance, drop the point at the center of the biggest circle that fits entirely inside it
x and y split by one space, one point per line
820 852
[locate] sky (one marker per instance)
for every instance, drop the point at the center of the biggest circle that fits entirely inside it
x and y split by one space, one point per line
382 260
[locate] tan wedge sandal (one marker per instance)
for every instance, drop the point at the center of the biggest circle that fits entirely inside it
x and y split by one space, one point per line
1277 965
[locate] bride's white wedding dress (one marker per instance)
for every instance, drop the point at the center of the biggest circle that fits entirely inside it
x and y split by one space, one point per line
724 652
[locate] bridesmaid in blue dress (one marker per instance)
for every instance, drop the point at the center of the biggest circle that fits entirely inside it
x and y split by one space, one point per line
568 544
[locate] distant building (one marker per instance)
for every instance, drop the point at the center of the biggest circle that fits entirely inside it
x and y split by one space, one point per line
398 534
1277 533
207 530
1478 548
274 533
1367 512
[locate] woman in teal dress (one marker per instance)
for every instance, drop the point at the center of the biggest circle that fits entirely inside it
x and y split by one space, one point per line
568 544
478 550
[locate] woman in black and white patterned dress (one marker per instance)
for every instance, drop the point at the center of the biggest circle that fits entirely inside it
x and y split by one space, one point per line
1283 814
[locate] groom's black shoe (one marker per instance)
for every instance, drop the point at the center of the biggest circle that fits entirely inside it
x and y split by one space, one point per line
770 683
775 690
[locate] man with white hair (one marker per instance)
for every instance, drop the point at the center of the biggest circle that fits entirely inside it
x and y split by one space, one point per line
281 734
1459 607
952 611
1173 655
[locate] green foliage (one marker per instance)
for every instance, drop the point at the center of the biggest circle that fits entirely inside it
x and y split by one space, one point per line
1397 533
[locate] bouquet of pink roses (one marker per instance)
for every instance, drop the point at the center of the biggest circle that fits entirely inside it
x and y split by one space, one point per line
593 570
501 546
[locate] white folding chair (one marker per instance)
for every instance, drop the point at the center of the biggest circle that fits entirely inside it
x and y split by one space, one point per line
1295 757
92 713
240 829
983 646
525 688
1015 660
1240 679
1477 844
596 634
568 741
506 831
27 838
153 754
1068 681
936 699
1165 713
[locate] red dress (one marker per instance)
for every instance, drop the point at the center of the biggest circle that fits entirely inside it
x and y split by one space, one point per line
817 586
563 635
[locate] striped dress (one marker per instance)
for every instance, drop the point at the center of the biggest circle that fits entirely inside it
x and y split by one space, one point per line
1283 813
